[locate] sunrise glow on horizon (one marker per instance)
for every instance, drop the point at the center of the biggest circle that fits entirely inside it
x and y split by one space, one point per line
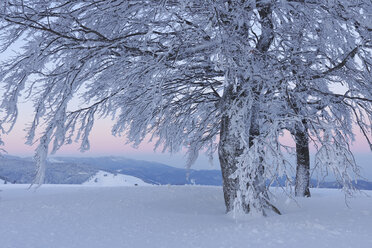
103 143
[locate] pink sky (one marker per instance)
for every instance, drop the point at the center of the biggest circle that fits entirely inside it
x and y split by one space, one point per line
104 144
101 140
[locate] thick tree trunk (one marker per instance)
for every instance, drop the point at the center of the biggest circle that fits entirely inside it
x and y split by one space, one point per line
228 151
303 161
231 148
233 144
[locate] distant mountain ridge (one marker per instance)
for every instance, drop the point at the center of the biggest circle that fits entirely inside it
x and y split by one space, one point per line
73 170
22 170
150 172
77 170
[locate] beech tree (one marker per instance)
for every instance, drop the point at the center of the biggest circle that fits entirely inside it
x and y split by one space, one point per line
328 49
204 75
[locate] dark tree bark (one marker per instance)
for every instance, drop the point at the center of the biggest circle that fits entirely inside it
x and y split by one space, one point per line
303 160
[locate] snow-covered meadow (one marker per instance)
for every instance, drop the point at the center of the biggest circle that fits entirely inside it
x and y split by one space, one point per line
65 216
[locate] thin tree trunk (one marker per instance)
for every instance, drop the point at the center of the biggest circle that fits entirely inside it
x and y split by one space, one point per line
303 161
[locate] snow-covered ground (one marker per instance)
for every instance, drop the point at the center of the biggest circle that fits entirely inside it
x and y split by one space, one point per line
68 216
103 178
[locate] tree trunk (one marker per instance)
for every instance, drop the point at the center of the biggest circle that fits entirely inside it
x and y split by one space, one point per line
230 150
303 161
235 142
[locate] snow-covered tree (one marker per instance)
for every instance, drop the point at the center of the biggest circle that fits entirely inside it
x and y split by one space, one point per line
328 49
204 75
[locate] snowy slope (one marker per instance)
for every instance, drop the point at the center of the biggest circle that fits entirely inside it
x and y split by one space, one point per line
103 178
174 217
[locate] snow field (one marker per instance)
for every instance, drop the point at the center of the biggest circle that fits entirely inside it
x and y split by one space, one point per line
65 216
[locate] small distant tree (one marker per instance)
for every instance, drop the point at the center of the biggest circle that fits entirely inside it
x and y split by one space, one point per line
213 75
